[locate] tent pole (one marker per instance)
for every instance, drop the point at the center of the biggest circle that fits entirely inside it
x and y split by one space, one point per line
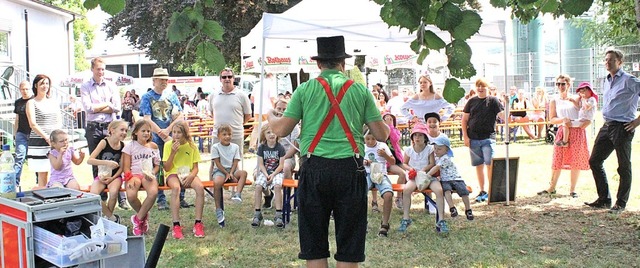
506 116
254 97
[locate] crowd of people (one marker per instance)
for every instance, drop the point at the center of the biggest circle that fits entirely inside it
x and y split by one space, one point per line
339 160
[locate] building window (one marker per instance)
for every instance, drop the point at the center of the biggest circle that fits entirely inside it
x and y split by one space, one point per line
4 46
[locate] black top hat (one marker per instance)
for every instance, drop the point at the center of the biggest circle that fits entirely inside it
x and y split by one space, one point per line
330 48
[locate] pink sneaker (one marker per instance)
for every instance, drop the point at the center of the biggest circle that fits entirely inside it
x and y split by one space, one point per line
145 224
137 225
198 230
177 232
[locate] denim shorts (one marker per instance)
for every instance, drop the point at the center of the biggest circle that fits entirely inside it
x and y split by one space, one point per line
458 185
218 173
481 151
383 187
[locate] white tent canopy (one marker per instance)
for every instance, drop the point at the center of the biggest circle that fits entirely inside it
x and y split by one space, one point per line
294 33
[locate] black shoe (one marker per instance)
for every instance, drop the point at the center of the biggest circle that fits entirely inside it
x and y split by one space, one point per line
267 201
599 203
454 212
184 204
573 195
616 209
469 214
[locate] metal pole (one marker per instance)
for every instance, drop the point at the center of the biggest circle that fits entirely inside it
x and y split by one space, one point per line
506 118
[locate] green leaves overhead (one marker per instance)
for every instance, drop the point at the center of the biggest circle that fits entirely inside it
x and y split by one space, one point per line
433 41
470 25
577 7
213 30
112 7
448 17
452 91
459 55
191 24
549 6
179 28
406 14
209 57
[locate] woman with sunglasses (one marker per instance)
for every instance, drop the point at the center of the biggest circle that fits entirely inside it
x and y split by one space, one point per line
575 156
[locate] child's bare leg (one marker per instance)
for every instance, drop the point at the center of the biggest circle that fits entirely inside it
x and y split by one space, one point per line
114 191
402 179
43 178
447 196
465 200
242 178
386 208
96 188
133 186
257 197
409 187
218 182
152 192
73 184
174 183
277 192
374 196
196 185
436 188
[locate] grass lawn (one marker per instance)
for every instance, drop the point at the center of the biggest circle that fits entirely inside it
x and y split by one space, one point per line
535 231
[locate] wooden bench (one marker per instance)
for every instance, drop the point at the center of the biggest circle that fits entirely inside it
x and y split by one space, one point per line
206 184
289 186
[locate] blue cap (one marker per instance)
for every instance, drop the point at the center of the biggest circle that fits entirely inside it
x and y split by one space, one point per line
443 140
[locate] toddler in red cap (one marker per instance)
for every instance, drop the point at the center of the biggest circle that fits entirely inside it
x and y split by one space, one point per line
587 103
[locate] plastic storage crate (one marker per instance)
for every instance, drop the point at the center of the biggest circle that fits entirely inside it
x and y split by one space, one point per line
69 251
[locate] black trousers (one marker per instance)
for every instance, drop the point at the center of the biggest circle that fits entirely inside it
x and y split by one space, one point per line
612 136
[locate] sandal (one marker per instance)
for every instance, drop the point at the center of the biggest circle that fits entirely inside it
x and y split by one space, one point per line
374 207
384 230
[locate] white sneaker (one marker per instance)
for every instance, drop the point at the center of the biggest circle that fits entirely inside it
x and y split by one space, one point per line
236 198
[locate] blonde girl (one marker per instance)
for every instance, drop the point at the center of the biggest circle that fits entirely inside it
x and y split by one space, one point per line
61 156
180 156
139 150
108 153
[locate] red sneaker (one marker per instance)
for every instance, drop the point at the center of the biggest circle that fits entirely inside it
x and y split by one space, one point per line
198 230
177 232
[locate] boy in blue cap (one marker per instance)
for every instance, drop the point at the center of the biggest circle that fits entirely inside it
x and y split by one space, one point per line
449 176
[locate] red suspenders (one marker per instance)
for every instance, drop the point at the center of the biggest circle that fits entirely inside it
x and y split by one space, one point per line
334 110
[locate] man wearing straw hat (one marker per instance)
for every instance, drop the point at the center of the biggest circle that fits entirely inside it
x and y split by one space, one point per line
332 175
161 109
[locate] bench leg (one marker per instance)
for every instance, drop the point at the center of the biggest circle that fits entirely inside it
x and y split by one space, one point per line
427 201
286 206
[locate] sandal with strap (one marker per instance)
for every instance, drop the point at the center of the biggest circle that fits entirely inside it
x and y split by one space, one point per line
384 230
374 207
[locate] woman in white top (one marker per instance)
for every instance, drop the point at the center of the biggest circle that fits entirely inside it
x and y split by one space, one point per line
44 117
427 101
575 156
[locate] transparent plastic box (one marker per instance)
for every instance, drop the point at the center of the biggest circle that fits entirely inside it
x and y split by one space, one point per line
69 251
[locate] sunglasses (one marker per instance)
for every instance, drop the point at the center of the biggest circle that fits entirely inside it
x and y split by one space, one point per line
226 76
561 84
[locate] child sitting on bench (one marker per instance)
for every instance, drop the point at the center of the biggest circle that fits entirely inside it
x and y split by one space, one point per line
376 156
449 177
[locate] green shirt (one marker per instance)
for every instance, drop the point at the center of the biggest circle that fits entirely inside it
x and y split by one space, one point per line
310 104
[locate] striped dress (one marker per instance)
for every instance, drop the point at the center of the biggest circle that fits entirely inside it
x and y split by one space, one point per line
47 116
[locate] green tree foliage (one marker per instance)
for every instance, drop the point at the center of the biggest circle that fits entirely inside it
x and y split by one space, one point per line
195 35
613 24
461 20
82 31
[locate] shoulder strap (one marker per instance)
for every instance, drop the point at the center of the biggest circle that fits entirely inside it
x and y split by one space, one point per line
334 110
